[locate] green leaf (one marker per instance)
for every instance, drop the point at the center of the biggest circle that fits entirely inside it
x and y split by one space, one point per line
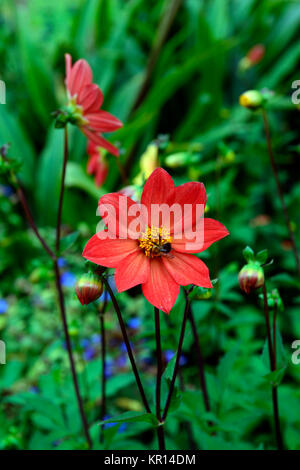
275 377
68 241
76 177
132 416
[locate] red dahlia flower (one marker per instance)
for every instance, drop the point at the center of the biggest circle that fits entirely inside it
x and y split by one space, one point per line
85 100
159 257
97 164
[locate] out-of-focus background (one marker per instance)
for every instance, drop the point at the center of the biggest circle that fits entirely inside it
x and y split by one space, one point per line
175 81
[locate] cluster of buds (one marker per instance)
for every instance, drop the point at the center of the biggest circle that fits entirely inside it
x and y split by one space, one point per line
274 300
251 276
89 288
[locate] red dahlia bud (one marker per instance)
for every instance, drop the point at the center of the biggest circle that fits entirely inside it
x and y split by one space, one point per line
256 54
88 288
251 277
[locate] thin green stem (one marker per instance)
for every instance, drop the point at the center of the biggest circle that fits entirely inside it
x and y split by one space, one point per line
127 343
70 354
279 189
176 366
160 428
272 356
200 361
103 376
62 189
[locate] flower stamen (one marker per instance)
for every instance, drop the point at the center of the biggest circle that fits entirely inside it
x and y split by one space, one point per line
153 239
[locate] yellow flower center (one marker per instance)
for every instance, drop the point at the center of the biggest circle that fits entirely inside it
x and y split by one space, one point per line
152 241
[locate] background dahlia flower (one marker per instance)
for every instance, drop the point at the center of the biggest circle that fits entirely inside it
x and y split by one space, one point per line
97 164
134 258
85 101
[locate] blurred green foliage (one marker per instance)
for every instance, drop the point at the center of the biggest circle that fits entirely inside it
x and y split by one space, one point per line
193 98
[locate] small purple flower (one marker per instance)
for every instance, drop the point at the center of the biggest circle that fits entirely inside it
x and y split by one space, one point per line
3 306
68 279
122 428
169 354
61 262
84 342
34 389
88 353
134 323
6 190
121 361
108 368
96 339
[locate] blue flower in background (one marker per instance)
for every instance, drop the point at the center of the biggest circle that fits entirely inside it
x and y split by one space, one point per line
169 354
88 353
110 425
68 279
96 339
61 262
121 360
84 342
6 190
134 323
108 368
3 306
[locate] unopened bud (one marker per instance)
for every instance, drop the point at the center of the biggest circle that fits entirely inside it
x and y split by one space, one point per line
181 159
251 99
251 277
89 288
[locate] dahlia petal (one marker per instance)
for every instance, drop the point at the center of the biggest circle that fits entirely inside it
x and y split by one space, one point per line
187 269
159 189
103 121
118 212
100 141
108 252
160 289
191 197
90 98
101 174
79 76
189 243
132 271
68 62
92 164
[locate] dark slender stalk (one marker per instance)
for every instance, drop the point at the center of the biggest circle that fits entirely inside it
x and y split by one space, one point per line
69 349
103 376
200 361
279 190
31 222
160 428
62 189
61 297
128 347
53 256
20 192
176 366
272 356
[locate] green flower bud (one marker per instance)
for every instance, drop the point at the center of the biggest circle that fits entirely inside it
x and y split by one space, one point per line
251 277
89 288
251 99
